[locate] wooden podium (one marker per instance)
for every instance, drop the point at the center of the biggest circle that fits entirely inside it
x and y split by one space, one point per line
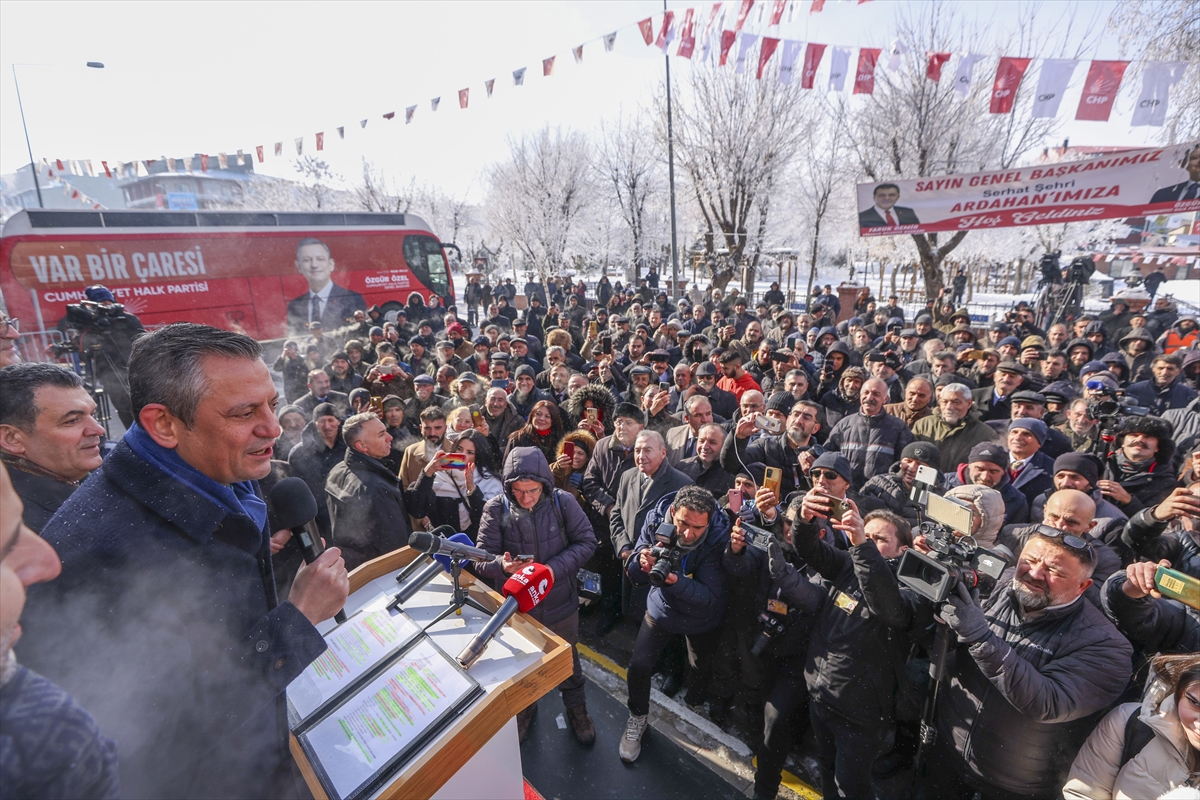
521 664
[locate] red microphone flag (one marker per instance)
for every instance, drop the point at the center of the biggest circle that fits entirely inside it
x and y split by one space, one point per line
1100 90
1008 77
529 586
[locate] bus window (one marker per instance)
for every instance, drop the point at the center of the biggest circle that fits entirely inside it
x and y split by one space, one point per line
424 257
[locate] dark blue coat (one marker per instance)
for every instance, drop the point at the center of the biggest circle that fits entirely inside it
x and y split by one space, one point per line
164 624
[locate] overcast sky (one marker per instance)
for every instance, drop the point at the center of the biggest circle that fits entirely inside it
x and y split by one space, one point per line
208 77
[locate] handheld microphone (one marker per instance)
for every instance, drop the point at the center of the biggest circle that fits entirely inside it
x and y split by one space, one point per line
438 565
523 590
434 545
296 509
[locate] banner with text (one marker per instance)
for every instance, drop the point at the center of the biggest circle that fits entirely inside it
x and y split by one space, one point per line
1132 183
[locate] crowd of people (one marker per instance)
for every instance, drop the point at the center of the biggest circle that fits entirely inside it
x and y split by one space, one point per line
740 477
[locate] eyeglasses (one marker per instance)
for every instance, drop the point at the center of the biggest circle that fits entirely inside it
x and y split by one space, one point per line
11 322
1083 546
825 474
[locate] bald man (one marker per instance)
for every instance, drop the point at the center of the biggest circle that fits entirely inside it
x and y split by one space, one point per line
1072 512
872 439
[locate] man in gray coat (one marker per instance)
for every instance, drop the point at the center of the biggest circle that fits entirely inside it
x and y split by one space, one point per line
533 518
640 489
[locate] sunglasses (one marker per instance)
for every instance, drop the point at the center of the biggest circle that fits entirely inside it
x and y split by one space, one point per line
825 474
1083 546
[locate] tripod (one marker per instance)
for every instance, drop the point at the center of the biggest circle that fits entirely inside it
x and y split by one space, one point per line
937 672
460 597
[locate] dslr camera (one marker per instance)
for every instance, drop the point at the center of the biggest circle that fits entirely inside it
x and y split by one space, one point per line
1110 407
666 555
770 625
953 558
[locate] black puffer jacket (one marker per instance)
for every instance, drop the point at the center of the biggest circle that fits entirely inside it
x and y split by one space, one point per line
888 492
749 574
555 531
1148 539
1154 626
1148 488
871 444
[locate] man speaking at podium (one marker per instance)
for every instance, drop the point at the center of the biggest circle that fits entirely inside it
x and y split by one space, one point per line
165 622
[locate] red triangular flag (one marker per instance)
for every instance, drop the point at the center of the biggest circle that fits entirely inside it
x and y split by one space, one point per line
203 163
666 33
1008 79
727 40
765 52
1100 90
61 168
107 173
687 40
864 77
74 194
646 26
812 60
777 11
817 5
258 149
743 12
462 97
548 66
321 140
389 115
933 69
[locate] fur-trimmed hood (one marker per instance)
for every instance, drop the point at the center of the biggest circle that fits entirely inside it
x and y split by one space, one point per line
600 396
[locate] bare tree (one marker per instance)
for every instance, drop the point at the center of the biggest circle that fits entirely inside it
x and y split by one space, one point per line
1165 30
912 127
629 166
378 192
733 133
316 177
535 198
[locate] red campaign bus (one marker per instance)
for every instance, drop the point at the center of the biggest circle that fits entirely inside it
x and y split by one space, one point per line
252 272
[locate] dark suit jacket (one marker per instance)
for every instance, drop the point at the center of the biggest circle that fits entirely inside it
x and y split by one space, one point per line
634 501
1169 194
341 306
871 219
676 443
987 406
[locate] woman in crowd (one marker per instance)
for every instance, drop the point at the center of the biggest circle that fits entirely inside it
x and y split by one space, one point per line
459 420
1156 755
387 379
456 497
594 396
568 469
543 431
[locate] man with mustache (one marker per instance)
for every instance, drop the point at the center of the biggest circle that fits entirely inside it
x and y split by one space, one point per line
48 437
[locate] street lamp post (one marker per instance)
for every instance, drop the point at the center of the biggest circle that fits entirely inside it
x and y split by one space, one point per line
671 180
29 147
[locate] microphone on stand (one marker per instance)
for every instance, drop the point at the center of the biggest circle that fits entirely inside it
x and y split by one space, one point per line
437 566
296 509
523 590
434 545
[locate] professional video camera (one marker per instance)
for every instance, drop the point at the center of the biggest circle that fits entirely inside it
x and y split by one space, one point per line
1110 407
953 558
90 314
666 553
1051 272
1081 270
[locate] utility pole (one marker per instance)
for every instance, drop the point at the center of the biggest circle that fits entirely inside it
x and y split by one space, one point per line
671 179
32 166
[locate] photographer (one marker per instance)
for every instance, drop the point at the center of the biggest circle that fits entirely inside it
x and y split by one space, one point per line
684 537
104 335
892 491
1137 473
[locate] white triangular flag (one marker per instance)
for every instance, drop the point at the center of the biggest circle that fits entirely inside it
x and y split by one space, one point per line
1157 80
839 65
519 77
787 63
1052 84
965 74
434 103
896 54
746 42
609 40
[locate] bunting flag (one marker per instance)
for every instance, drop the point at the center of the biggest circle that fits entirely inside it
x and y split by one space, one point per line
188 161
1052 82
610 40
787 61
204 159
107 171
578 53
812 60
777 11
1008 79
1157 80
839 65
341 132
58 161
242 160
667 33
434 103
933 70
687 39
408 114
864 76
646 26
258 149
519 77
489 85
362 123
389 116
223 160
743 13
727 40
548 66
746 43
320 137
965 74
462 97
765 52
817 5
171 161
896 54
1100 90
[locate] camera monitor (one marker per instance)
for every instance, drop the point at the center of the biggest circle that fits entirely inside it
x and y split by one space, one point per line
950 513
